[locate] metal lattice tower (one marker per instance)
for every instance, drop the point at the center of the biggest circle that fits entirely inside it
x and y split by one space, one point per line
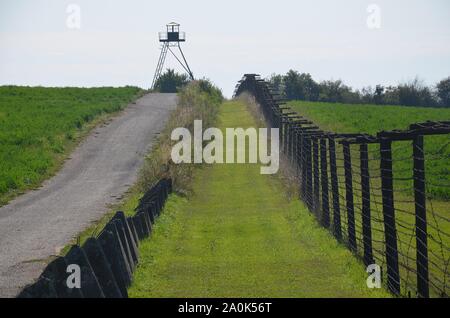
171 39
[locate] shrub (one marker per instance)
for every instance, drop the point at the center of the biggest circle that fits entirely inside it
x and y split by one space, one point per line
171 82
199 100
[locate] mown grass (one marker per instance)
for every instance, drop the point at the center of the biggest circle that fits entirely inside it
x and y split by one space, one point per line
39 126
239 236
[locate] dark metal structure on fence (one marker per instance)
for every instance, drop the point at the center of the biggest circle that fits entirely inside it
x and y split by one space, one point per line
171 39
370 192
106 260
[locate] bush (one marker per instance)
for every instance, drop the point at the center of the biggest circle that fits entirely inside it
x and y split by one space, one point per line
199 100
415 93
171 82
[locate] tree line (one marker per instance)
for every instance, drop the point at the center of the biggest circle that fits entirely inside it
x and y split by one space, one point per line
301 86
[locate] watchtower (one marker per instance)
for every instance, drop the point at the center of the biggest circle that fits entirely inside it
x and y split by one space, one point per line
171 39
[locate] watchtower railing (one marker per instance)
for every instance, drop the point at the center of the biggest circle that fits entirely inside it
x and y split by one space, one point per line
172 36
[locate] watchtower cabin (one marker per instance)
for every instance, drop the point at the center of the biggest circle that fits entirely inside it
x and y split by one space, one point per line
171 39
173 34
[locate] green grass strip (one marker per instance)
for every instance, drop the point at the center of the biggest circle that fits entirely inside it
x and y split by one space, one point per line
239 236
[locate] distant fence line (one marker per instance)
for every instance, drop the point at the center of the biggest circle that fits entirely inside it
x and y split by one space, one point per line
107 260
354 186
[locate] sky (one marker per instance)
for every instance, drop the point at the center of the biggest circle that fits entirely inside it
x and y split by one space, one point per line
115 43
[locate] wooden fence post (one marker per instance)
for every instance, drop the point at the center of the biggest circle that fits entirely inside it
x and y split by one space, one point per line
292 144
365 194
309 186
421 218
324 180
285 134
316 177
335 190
349 196
299 155
304 169
294 148
390 231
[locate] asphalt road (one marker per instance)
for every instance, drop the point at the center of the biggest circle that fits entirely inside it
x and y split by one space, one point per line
38 224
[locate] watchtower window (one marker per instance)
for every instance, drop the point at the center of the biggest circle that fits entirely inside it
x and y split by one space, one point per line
173 28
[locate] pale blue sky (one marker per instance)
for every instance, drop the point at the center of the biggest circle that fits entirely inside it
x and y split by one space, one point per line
118 45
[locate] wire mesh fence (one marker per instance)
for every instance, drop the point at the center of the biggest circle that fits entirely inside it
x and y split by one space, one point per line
384 196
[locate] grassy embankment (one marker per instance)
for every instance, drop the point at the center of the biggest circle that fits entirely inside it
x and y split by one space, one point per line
237 235
40 126
372 119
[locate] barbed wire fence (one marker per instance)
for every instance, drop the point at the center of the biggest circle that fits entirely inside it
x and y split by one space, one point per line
374 193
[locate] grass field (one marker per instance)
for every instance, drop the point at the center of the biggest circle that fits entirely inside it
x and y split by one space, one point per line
371 119
239 236
366 118
39 126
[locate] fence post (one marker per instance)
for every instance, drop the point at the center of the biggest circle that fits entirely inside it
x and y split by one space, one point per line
390 231
289 140
365 194
299 152
280 121
421 218
309 187
294 147
349 196
288 137
316 191
281 130
285 134
303 156
324 180
335 190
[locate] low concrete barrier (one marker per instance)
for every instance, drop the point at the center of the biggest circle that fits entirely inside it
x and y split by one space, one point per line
106 263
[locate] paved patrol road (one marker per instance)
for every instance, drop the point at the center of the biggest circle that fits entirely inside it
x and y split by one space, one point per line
39 223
